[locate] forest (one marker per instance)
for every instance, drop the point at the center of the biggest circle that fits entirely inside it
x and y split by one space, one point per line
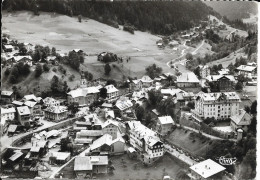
156 17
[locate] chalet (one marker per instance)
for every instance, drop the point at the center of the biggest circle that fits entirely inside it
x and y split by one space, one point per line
24 115
7 96
48 101
135 84
8 48
146 81
187 80
112 92
59 157
207 169
110 127
89 134
38 149
77 50
247 71
165 125
223 82
56 113
240 121
87 165
204 71
35 108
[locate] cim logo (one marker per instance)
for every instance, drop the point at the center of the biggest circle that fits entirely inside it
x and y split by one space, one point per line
226 161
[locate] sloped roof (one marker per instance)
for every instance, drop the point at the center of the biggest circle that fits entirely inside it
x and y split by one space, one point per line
217 95
84 163
56 109
188 77
7 110
146 79
91 133
30 103
83 91
171 91
111 88
60 155
23 110
217 77
16 155
12 128
242 118
105 139
166 120
246 68
123 104
108 122
6 93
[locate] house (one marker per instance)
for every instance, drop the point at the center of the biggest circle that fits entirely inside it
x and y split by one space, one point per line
38 149
112 92
109 114
204 71
124 104
101 144
145 141
252 64
94 122
165 125
146 81
32 97
7 114
24 115
223 82
240 121
17 103
223 72
187 80
135 84
8 48
83 95
77 50
207 169
48 101
219 105
170 91
31 105
56 113
59 157
7 96
110 127
118 146
137 95
247 71
28 46
88 165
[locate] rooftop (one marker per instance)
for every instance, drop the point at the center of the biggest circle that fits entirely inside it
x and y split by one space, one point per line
246 68
242 118
56 109
6 93
23 110
207 168
217 77
84 163
188 77
7 110
83 91
218 96
111 88
166 120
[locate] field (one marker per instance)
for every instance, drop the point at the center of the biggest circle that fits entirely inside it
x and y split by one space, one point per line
66 33
183 138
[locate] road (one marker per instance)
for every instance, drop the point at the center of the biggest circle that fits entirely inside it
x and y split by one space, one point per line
183 54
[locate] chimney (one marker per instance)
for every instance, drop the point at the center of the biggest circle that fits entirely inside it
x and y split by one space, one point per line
240 111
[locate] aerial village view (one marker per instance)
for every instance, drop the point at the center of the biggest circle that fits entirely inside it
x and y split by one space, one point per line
128 90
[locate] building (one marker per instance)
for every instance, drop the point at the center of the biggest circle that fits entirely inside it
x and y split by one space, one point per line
124 104
112 92
207 169
110 127
135 84
187 80
240 121
219 105
204 71
146 81
170 92
222 82
56 113
87 165
24 115
83 95
101 144
7 114
7 96
59 157
223 72
48 101
8 48
38 149
33 107
165 125
247 71
145 141
89 134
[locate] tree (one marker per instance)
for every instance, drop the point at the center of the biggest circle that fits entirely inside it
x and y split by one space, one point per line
65 87
46 68
55 84
79 18
53 51
14 75
189 56
74 60
153 71
247 109
139 113
191 104
22 50
73 107
107 69
103 93
253 107
38 70
250 158
7 72
239 86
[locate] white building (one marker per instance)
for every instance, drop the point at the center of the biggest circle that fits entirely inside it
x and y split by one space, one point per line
204 71
56 112
7 114
48 101
247 71
187 80
206 169
218 105
124 104
145 141
110 127
146 81
112 92
165 125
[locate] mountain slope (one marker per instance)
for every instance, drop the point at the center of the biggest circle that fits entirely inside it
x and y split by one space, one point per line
233 9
